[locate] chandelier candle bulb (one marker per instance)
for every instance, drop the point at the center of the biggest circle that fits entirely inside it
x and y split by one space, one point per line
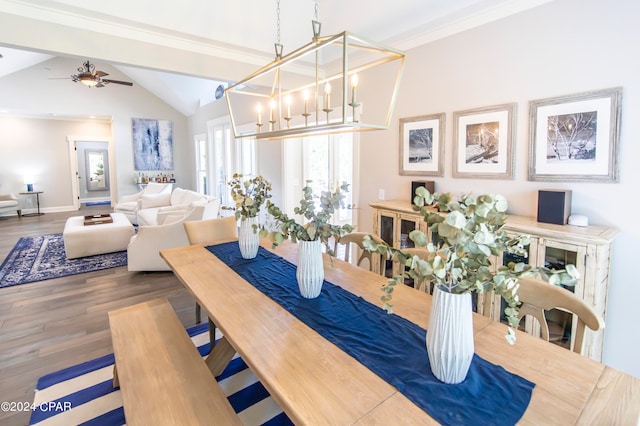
354 85
259 115
306 114
272 106
287 100
327 96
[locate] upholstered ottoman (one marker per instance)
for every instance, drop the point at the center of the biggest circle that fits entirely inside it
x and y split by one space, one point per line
87 240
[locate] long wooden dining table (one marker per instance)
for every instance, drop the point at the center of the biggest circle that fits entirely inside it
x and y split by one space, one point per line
315 382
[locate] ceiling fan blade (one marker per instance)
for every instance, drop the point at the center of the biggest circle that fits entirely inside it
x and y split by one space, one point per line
99 85
100 74
124 83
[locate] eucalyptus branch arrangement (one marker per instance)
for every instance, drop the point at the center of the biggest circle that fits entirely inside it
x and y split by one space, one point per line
317 211
469 236
248 195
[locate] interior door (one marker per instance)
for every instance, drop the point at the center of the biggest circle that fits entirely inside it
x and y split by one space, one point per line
90 170
93 171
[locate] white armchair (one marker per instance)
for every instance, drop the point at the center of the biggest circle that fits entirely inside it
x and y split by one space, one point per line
158 193
9 203
143 252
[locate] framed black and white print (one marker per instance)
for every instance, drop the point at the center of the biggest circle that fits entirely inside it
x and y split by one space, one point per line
574 138
422 145
483 142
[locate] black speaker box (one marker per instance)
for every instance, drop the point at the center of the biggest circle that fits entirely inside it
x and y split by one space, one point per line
554 206
429 184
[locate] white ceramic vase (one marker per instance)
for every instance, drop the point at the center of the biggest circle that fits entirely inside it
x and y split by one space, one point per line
450 336
248 239
310 270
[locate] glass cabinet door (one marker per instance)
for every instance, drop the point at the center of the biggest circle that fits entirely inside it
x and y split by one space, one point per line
493 306
386 225
556 255
406 224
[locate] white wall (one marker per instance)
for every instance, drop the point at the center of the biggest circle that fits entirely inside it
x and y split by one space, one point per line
27 93
39 148
564 47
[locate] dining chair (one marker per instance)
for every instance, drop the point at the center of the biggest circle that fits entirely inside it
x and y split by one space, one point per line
357 238
208 231
538 296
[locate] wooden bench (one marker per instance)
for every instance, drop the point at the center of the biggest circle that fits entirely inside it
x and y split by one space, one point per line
162 377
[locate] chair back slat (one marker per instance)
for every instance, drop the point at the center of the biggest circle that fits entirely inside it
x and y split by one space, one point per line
538 296
210 230
357 238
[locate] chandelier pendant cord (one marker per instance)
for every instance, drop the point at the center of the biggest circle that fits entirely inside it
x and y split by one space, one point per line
277 78
278 45
315 26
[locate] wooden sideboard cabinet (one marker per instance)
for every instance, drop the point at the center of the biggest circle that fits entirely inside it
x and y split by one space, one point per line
588 248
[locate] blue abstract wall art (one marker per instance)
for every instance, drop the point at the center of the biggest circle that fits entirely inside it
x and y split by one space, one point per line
152 144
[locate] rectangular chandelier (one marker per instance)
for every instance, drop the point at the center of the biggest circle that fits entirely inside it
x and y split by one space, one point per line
335 84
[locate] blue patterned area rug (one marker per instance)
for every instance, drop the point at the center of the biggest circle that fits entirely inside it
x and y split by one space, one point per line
84 394
43 258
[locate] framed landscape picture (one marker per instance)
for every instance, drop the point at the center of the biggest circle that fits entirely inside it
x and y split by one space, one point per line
152 144
422 145
483 142
575 137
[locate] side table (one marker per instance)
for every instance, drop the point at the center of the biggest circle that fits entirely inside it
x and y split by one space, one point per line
37 194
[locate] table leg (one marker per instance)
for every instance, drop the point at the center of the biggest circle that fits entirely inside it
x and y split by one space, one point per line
212 333
38 212
220 356
116 380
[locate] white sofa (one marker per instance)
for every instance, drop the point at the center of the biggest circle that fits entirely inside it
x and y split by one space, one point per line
9 203
143 251
128 204
158 209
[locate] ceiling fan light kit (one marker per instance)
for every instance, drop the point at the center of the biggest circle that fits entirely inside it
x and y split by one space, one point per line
88 81
88 76
317 89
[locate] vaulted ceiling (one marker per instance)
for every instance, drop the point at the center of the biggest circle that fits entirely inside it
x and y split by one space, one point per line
233 35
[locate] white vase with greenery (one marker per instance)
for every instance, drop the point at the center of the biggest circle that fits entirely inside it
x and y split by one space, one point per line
248 195
316 229
450 336
248 238
470 239
310 270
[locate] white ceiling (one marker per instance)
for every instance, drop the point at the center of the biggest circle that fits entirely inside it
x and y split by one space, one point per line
245 30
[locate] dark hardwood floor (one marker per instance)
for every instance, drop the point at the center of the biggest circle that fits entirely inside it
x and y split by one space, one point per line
49 325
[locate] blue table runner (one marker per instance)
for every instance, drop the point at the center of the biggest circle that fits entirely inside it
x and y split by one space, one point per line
389 345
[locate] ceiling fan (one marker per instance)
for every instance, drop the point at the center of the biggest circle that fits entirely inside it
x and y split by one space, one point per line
88 76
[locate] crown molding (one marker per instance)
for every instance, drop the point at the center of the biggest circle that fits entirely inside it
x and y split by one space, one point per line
435 31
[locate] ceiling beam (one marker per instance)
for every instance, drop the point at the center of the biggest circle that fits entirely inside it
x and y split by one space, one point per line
26 33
